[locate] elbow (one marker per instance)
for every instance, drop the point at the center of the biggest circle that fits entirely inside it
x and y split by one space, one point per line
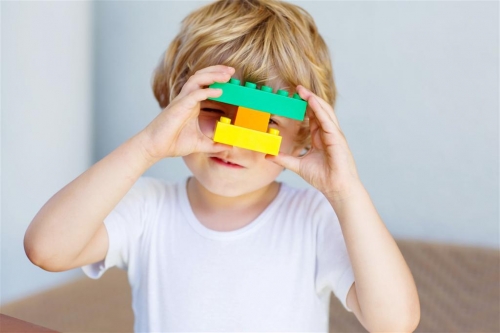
43 262
33 253
414 317
396 325
410 324
40 258
415 323
400 321
30 249
413 314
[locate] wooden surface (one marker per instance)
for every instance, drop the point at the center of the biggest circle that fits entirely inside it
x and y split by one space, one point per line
11 325
458 286
84 305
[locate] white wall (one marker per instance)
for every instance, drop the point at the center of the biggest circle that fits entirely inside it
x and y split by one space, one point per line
46 124
418 83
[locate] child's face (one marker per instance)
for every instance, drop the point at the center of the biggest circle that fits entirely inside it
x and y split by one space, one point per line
252 171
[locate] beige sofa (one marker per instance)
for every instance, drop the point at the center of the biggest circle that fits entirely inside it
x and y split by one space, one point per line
458 287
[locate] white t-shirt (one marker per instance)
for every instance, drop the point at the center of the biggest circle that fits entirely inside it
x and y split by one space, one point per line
274 274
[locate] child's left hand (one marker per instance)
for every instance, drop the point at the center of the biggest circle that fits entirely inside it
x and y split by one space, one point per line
329 165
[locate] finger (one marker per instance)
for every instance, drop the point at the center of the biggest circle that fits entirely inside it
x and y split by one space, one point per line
192 100
306 94
327 108
207 145
217 68
323 119
287 161
201 80
213 69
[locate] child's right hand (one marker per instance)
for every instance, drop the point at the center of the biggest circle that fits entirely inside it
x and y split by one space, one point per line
76 213
175 131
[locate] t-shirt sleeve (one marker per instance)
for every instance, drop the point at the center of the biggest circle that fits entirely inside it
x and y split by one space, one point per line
124 226
333 267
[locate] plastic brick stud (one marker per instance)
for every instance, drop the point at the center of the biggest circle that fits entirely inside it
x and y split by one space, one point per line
273 131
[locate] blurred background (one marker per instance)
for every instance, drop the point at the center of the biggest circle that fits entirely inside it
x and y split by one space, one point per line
418 102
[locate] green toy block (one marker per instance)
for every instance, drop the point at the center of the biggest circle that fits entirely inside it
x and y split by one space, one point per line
262 99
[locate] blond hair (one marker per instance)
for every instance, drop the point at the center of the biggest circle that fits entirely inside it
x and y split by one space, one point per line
266 41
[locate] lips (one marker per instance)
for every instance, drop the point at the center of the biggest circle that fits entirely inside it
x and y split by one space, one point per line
225 162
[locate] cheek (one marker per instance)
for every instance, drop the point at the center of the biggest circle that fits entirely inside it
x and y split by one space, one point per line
188 159
289 135
192 161
287 144
272 170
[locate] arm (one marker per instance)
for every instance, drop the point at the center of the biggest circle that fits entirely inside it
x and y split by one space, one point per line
68 222
68 231
384 296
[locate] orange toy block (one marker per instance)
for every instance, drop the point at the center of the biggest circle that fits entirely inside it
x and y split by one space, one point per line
252 119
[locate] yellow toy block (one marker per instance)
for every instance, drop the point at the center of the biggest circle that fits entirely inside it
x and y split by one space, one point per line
262 142
253 119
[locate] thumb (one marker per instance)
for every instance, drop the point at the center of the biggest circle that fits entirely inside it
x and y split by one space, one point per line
287 161
209 146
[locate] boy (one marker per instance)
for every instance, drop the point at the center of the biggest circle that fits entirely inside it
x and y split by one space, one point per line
230 249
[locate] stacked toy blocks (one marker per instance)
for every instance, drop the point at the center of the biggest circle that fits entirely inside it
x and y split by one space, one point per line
250 129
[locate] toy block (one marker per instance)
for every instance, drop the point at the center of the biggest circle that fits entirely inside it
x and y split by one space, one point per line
262 142
262 99
253 119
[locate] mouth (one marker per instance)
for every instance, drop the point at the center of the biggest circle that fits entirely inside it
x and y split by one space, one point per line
225 163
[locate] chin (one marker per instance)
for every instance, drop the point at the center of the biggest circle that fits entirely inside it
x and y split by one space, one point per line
223 188
228 187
